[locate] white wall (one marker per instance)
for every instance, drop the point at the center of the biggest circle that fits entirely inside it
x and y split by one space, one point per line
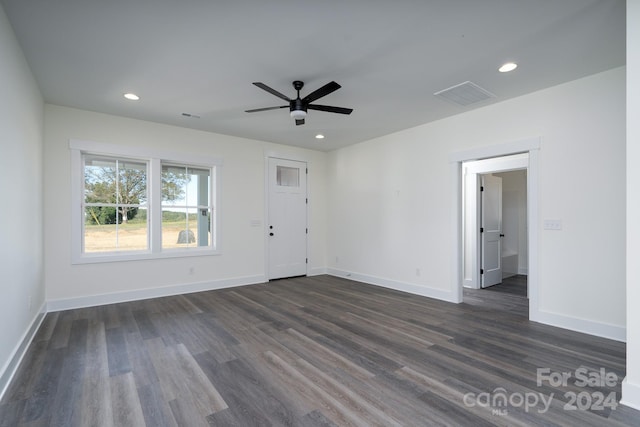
21 256
243 245
390 202
631 386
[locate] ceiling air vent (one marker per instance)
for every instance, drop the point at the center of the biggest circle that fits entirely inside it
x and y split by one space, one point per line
464 94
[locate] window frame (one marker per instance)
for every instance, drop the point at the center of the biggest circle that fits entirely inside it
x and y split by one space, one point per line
154 160
210 207
85 205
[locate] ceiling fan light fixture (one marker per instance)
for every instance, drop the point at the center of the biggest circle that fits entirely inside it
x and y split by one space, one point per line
298 114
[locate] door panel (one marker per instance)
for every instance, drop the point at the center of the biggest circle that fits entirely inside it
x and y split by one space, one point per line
287 222
491 235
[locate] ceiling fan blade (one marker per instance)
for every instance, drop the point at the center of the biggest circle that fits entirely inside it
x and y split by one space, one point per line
271 91
330 109
265 109
299 122
323 91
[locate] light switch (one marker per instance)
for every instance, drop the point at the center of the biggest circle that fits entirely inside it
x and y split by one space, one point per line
553 224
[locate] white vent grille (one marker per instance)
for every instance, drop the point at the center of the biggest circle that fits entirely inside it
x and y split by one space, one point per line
464 94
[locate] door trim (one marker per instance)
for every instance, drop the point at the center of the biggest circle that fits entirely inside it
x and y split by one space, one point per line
531 146
296 158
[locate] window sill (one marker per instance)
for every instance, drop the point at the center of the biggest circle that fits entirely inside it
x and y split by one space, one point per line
140 256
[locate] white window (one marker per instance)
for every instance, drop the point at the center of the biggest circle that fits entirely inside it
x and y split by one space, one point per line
130 204
114 205
186 208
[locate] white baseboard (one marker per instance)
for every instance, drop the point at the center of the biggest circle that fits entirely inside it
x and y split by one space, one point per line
604 330
317 271
468 283
116 297
411 288
630 394
11 367
523 271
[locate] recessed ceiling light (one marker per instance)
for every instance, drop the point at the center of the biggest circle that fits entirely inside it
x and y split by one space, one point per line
509 66
319 136
131 96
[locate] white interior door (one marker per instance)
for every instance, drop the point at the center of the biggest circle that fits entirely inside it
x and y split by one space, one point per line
287 218
491 230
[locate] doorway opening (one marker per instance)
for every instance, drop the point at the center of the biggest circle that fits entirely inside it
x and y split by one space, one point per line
495 232
513 259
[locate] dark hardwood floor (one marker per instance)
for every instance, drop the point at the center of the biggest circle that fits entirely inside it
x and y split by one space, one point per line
509 296
316 351
514 285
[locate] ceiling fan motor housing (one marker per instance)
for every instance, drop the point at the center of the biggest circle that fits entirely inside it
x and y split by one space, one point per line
298 108
297 105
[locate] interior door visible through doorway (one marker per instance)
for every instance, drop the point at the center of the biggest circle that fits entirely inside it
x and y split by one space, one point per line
287 218
491 230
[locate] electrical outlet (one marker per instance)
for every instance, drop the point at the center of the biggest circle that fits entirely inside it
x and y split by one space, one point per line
418 272
553 224
191 270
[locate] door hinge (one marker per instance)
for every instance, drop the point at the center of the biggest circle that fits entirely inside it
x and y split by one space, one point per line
306 260
306 201
306 170
481 188
481 229
481 271
306 231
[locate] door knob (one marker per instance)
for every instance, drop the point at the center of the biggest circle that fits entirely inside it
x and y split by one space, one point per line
270 234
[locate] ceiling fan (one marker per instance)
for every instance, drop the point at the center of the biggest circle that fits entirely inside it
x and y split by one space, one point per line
298 107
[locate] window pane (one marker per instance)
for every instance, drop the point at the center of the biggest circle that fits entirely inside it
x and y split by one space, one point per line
186 229
287 177
108 237
99 180
186 209
198 187
174 184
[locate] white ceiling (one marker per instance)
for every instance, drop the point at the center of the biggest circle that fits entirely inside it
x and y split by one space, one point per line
201 56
